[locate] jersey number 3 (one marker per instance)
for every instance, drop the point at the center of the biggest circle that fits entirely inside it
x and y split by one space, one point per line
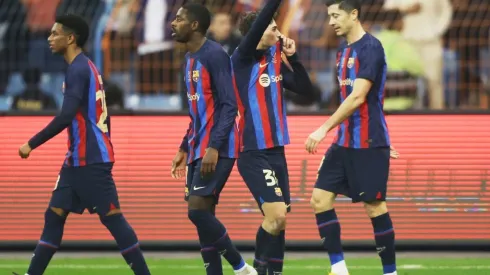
101 109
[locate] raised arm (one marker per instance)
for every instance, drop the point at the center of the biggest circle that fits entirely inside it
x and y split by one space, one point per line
297 80
249 43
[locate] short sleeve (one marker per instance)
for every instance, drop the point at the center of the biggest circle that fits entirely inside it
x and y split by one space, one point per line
77 81
371 60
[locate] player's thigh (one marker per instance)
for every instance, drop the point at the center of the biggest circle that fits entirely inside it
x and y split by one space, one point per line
280 167
64 195
260 178
331 175
367 172
209 186
97 189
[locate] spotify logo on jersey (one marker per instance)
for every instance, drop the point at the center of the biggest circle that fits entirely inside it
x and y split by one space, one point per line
265 80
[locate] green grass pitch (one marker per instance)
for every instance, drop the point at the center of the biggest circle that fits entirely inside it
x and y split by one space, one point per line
364 266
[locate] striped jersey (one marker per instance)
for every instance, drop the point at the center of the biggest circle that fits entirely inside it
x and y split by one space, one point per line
366 127
211 94
261 76
89 138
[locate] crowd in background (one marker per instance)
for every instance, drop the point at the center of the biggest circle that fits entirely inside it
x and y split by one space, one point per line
437 51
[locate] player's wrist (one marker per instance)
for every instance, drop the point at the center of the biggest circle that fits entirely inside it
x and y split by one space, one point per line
292 57
327 127
31 144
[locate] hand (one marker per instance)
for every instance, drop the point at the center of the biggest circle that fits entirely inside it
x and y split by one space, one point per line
25 150
179 164
314 139
209 162
288 45
393 153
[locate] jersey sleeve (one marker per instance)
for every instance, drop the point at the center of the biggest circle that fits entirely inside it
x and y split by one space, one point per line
184 145
371 59
75 85
249 43
220 69
297 80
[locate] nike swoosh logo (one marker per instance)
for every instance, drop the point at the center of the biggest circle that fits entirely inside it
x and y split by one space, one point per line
263 65
197 188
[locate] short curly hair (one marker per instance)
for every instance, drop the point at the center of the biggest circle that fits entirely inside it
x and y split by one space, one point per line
247 19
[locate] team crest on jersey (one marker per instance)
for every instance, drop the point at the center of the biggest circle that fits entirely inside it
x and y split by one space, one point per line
278 191
195 75
186 192
350 63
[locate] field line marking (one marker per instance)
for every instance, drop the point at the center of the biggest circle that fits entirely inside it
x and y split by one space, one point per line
287 267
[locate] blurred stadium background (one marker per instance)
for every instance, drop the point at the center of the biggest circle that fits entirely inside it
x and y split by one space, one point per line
437 98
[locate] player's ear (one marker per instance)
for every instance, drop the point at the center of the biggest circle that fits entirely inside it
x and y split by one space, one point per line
354 14
71 39
194 25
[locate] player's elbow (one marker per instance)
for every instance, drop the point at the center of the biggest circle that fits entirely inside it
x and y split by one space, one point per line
64 119
358 100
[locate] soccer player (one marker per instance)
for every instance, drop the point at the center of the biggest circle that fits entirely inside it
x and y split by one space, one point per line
357 163
85 180
260 75
210 145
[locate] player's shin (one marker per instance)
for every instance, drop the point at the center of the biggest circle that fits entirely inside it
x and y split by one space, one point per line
329 229
49 242
211 257
270 241
214 234
127 242
384 235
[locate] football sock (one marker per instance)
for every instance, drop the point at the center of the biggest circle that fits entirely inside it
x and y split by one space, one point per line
329 228
127 242
211 257
213 233
275 254
48 244
384 234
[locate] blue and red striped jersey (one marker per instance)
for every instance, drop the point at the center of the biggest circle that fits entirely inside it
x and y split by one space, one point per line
211 93
261 76
84 113
366 127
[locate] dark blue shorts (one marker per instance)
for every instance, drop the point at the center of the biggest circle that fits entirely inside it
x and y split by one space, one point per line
361 174
211 185
266 174
87 187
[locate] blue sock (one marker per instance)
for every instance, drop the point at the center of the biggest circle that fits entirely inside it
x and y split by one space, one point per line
384 234
329 228
275 254
127 242
48 244
214 234
263 242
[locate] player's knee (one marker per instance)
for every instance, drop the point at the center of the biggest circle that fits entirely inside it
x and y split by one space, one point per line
114 212
322 200
274 216
55 215
375 208
201 203
274 224
58 211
